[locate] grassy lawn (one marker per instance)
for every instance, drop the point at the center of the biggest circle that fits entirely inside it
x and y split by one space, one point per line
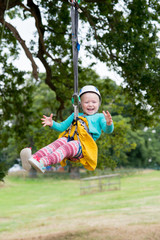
44 206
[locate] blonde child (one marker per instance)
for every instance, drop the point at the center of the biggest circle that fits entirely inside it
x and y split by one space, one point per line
62 149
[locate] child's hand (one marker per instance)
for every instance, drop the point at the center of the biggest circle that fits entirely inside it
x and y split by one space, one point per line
108 117
47 121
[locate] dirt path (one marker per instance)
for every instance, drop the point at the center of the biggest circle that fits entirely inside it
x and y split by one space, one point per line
136 232
135 224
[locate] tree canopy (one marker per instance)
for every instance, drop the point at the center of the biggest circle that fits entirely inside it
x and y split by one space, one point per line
122 34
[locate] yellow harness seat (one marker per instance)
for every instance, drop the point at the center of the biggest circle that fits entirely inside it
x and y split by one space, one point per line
89 146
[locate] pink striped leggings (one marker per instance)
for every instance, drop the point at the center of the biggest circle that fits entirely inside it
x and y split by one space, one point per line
58 150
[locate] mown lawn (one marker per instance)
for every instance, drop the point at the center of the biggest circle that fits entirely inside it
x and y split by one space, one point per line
35 207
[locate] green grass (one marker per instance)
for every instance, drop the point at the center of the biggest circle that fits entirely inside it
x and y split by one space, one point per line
46 204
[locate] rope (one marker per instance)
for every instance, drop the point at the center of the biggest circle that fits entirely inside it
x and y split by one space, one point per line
75 49
4 20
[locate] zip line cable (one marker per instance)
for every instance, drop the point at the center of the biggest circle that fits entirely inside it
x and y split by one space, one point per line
4 21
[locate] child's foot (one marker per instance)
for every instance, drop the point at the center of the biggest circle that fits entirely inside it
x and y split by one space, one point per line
25 154
37 165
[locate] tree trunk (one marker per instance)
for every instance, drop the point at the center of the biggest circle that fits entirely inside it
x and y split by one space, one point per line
74 172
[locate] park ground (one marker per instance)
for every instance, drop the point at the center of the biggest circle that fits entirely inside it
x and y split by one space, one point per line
49 209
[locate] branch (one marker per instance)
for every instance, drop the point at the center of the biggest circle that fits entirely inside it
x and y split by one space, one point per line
34 10
11 4
25 48
42 49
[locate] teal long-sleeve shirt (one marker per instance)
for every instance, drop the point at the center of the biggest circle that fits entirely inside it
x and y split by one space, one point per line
96 123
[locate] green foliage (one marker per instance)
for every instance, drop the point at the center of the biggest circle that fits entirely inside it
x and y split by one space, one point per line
147 152
3 167
113 148
129 41
15 96
15 109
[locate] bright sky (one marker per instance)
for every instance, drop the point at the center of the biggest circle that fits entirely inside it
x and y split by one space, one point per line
26 29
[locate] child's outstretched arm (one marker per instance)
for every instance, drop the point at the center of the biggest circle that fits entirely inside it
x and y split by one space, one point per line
47 121
108 118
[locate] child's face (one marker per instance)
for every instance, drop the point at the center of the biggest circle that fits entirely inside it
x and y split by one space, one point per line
90 103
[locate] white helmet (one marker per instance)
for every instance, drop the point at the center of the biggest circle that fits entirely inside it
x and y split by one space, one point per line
89 88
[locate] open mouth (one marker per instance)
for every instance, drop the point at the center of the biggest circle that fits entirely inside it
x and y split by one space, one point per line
90 111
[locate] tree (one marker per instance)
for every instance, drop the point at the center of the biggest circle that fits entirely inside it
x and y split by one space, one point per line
123 34
147 150
113 149
15 112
